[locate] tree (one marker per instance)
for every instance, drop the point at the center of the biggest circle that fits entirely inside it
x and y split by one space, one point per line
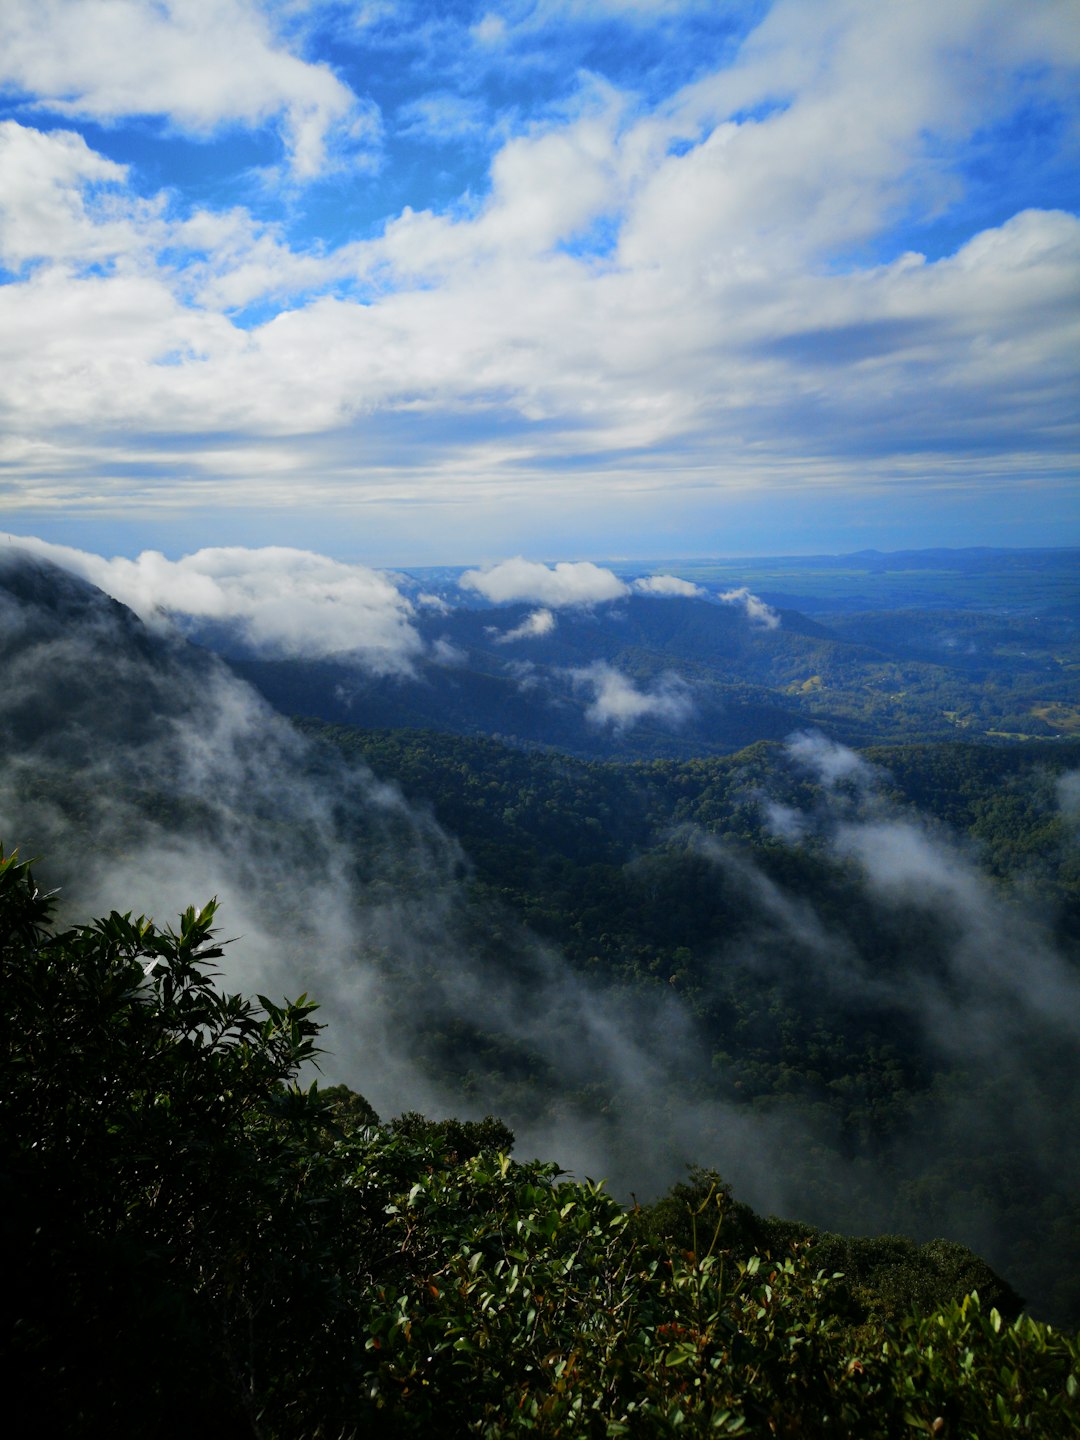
194 1245
147 1122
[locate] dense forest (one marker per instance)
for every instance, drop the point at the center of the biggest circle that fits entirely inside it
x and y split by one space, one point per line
830 1006
197 1244
808 1009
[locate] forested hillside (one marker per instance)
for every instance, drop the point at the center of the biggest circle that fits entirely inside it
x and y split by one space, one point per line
197 1245
706 673
871 949
843 980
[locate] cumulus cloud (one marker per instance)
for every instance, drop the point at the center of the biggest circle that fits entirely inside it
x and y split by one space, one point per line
617 701
756 609
200 64
282 602
707 280
534 627
666 585
566 584
61 199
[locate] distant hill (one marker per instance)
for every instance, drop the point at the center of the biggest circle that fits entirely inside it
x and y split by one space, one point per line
782 962
861 679
536 690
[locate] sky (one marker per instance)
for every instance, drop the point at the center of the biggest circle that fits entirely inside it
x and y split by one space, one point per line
406 283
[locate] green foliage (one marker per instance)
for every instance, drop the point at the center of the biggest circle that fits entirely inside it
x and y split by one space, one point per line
606 862
348 1110
455 1140
194 1245
884 1277
148 1126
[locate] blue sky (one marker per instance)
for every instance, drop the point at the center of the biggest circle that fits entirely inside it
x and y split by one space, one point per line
412 283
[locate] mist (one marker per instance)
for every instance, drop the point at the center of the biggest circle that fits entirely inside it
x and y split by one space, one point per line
984 990
148 777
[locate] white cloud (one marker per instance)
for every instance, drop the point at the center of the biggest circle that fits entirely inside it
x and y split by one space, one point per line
59 198
568 583
68 206
720 336
535 626
830 761
666 586
1068 792
758 612
285 602
445 652
619 703
199 63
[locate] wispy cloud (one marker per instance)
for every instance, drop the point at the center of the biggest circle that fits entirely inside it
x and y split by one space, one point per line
617 702
535 626
757 610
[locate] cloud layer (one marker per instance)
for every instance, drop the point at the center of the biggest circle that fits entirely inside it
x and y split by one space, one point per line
768 264
278 601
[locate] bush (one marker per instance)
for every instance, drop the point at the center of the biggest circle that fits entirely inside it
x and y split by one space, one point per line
195 1245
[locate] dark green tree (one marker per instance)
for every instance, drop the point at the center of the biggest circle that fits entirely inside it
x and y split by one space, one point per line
149 1130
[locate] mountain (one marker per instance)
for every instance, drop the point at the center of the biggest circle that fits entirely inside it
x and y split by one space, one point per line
675 677
845 980
485 672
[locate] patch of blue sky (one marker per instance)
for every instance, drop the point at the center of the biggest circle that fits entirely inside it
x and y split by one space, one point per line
535 63
221 168
1030 159
761 110
598 242
1026 160
346 206
655 63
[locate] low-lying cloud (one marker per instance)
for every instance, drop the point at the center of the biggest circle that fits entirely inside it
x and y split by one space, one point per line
535 626
617 701
828 761
757 611
278 601
572 583
667 585
997 975
568 583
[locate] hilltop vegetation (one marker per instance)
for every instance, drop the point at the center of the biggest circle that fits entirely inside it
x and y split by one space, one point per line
896 1035
198 1245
